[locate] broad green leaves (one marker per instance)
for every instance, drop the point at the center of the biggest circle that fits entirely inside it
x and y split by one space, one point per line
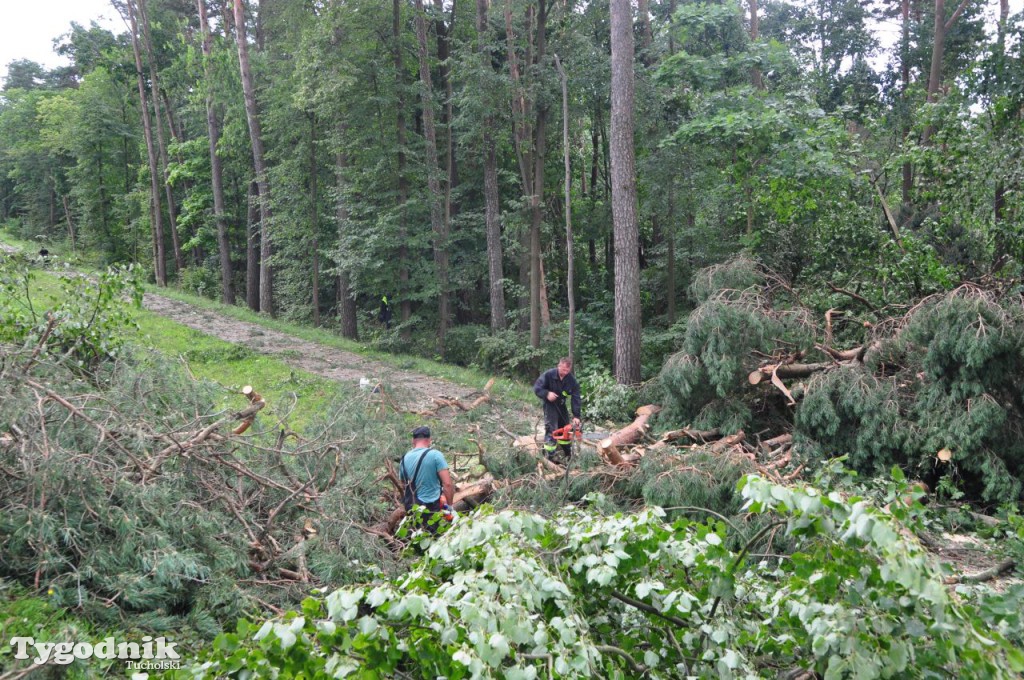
583 595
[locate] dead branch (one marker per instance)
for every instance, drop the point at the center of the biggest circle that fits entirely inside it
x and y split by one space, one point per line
104 433
698 436
987 575
794 370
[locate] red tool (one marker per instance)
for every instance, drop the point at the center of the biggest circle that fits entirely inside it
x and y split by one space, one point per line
567 433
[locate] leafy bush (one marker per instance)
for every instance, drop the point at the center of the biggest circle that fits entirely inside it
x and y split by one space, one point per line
201 281
85 325
461 344
508 353
514 595
604 399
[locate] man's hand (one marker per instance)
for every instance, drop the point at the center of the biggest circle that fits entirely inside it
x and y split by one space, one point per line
552 396
576 423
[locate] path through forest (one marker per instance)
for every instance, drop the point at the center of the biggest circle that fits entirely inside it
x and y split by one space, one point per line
329 362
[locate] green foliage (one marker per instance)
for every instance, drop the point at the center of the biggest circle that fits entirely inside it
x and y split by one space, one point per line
604 399
723 335
509 353
462 346
511 594
949 379
201 281
86 323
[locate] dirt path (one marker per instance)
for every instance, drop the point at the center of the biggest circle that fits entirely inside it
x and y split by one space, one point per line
329 362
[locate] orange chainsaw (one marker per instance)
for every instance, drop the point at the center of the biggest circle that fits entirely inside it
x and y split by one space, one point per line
567 433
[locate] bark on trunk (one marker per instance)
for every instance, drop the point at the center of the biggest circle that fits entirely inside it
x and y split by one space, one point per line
491 195
530 148
907 184
262 181
942 26
570 265
216 169
252 248
349 325
154 86
437 218
314 218
755 30
405 304
624 199
156 216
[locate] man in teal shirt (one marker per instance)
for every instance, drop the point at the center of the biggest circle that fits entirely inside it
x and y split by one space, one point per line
424 473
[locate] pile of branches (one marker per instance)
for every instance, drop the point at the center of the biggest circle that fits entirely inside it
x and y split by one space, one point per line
129 493
933 389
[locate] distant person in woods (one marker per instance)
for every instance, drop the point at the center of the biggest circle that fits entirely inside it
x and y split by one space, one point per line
385 312
553 387
44 254
424 475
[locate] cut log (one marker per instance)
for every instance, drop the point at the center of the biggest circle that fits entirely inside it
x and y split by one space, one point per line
472 496
728 442
774 442
609 447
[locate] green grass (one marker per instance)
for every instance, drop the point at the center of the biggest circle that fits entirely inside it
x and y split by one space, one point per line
469 377
294 397
504 389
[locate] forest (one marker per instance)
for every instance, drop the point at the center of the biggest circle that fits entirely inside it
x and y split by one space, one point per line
783 235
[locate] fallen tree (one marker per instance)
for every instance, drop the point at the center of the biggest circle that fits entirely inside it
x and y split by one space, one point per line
941 377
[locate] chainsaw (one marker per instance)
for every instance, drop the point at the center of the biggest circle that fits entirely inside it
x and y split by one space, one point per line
567 434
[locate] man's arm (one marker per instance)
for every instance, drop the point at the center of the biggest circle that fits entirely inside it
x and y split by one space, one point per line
540 386
447 486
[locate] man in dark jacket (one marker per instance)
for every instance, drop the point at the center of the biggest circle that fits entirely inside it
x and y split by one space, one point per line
553 387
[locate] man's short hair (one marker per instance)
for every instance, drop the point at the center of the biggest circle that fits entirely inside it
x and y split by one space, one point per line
565 360
421 432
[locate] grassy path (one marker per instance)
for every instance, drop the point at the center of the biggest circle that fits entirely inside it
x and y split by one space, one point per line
413 389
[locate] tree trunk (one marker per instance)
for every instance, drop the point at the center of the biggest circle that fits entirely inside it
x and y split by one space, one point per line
437 221
624 199
154 86
262 181
907 185
154 170
349 326
646 33
530 151
537 198
568 202
670 263
938 46
942 26
755 30
216 169
405 304
491 195
444 41
252 248
314 219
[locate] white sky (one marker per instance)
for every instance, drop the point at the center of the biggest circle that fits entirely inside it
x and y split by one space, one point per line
28 27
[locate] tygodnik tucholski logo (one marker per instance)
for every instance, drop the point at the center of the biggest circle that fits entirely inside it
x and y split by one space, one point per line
150 654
